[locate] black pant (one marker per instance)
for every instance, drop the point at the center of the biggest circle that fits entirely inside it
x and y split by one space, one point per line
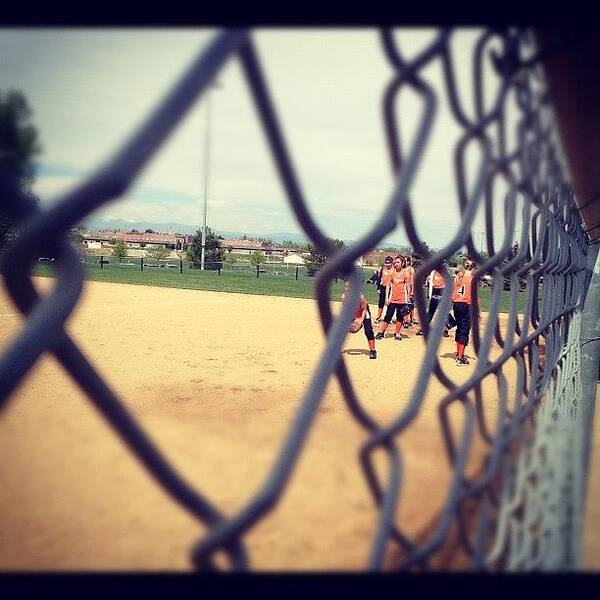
401 311
382 294
368 326
436 296
462 320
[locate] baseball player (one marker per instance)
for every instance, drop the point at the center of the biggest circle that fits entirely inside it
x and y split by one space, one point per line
410 277
398 299
461 300
436 284
385 275
362 316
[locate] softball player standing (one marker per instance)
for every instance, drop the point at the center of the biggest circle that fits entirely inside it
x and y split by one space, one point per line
461 301
398 299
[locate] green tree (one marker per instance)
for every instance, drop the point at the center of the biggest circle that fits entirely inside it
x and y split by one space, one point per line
382 255
507 279
213 257
76 236
316 259
18 146
157 253
455 260
294 245
417 259
257 258
119 249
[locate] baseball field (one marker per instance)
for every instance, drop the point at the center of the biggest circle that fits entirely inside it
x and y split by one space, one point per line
215 380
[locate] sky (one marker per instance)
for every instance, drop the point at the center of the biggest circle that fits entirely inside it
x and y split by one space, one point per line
90 88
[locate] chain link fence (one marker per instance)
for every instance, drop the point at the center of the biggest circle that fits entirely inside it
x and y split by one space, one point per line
525 504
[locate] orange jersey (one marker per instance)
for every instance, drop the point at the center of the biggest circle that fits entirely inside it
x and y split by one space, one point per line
400 292
362 305
438 280
410 274
461 291
386 276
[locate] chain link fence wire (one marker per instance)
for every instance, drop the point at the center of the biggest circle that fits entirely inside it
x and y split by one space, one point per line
528 497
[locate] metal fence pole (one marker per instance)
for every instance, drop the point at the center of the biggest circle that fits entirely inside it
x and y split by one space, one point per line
257 271
141 263
180 265
296 273
590 348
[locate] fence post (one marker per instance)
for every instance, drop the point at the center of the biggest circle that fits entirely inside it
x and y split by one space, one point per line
141 263
296 273
180 265
219 270
257 267
101 262
590 365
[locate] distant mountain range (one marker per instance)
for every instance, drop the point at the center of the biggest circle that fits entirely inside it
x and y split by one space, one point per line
103 223
107 224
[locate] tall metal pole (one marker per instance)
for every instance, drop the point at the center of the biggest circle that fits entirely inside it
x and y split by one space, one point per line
206 168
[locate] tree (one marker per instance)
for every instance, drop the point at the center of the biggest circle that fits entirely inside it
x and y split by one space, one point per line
455 260
316 260
119 249
213 257
18 146
417 259
381 257
257 258
148 231
157 253
507 279
294 245
76 236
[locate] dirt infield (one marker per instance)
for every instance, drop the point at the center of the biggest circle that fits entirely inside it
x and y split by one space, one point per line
215 379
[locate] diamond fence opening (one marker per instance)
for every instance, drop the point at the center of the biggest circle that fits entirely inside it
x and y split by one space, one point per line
523 507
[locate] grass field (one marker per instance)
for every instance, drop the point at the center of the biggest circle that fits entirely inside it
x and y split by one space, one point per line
241 282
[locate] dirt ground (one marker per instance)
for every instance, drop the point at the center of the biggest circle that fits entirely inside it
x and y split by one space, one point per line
215 379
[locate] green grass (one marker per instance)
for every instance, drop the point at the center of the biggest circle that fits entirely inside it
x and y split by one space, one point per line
241 283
